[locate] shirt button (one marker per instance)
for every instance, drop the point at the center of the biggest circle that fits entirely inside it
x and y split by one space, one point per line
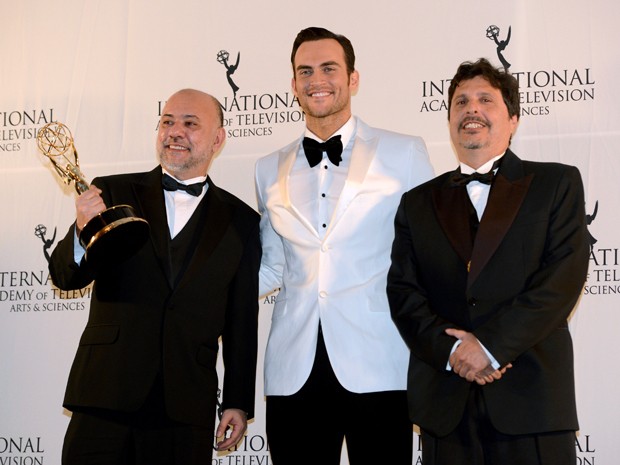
322 294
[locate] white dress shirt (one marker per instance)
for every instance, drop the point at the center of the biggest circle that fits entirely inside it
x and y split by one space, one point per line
479 195
180 206
315 191
478 191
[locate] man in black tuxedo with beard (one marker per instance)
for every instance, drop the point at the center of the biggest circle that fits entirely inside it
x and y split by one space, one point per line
143 386
488 262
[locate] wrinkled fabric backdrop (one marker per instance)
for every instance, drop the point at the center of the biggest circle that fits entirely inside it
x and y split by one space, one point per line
105 68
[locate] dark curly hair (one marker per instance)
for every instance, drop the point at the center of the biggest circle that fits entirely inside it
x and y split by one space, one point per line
497 77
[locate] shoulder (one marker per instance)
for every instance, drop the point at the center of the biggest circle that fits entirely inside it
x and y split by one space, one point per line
232 201
392 141
273 157
551 173
125 178
366 131
514 164
429 186
549 168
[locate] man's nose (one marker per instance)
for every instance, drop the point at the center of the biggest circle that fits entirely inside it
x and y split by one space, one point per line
471 107
175 131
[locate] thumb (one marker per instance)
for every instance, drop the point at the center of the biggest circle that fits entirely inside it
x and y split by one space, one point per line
457 333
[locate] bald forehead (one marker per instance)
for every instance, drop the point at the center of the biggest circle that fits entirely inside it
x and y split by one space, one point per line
192 102
192 96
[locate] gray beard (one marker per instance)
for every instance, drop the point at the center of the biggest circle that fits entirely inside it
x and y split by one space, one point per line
473 146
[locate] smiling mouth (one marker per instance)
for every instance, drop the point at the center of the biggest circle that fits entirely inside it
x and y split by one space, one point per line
319 94
176 147
472 124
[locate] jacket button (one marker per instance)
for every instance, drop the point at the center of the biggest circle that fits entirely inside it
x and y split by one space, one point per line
472 302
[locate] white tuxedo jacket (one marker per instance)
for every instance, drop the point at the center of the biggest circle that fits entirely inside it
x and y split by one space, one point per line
340 279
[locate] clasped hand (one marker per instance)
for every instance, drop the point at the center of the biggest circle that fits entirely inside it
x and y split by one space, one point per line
470 361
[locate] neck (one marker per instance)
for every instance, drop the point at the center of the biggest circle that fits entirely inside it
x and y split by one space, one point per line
325 127
476 159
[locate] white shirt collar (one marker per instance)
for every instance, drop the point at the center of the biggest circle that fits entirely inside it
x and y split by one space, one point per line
466 169
185 181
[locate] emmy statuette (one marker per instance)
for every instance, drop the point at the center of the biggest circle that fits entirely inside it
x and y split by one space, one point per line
114 234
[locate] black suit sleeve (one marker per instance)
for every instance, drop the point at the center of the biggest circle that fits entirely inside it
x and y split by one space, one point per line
421 328
240 336
65 273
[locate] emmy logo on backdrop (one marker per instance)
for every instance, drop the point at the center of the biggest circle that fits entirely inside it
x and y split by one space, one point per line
40 231
114 234
493 34
222 57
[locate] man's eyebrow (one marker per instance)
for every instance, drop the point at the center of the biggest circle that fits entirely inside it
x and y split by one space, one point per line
170 115
326 63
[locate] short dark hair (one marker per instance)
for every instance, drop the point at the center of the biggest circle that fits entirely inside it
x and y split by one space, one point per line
318 33
497 77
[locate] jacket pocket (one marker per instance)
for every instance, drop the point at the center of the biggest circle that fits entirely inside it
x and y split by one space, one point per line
102 334
207 357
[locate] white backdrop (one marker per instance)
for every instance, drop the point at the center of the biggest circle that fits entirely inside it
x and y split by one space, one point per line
104 67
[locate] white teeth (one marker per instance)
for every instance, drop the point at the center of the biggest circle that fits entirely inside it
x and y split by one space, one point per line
177 147
320 94
472 125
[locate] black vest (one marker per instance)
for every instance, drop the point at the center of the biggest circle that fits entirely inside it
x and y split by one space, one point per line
182 247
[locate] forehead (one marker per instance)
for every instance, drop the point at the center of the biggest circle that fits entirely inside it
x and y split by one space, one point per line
315 52
475 86
187 104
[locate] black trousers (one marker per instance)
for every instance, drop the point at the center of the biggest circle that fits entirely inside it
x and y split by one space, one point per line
145 437
309 426
476 442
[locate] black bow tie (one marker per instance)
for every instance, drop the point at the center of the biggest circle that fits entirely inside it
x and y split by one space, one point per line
460 179
314 150
171 184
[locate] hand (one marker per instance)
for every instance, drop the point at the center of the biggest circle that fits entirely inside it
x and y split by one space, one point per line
469 359
88 205
490 374
238 421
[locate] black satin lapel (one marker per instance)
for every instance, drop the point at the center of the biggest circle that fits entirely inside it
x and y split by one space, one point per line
451 207
217 218
504 202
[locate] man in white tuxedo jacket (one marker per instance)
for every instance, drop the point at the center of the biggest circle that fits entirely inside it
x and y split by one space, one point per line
334 356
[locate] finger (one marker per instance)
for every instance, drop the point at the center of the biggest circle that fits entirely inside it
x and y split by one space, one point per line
221 429
455 333
235 436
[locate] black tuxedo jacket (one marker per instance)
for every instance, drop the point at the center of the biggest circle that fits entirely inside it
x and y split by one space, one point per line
513 287
141 324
